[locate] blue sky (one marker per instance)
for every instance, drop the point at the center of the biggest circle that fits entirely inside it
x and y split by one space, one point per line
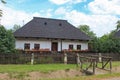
100 15
37 5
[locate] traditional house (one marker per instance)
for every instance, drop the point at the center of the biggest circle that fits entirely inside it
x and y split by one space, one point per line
45 34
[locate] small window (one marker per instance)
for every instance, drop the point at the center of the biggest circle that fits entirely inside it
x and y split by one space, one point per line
78 47
60 24
45 23
27 46
37 46
71 47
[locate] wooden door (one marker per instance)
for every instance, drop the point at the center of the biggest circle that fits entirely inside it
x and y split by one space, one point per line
54 46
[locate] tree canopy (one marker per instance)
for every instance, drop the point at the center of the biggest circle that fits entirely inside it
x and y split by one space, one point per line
105 44
86 29
7 41
16 27
2 1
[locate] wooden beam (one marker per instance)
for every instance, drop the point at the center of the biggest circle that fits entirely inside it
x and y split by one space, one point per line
106 63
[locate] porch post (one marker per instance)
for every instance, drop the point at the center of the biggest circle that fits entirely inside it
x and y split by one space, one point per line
61 45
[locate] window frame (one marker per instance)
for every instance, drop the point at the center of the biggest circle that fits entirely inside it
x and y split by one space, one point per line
78 47
36 46
27 46
71 46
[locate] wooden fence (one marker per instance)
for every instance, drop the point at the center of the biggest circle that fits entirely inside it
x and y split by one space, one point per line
25 58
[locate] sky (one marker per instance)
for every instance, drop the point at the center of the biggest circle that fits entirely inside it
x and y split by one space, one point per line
100 15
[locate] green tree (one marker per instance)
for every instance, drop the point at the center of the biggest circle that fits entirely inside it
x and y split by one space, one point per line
118 25
112 33
10 41
16 27
7 41
106 44
93 42
86 29
94 45
2 1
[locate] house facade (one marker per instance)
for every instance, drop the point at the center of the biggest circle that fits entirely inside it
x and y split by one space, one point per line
45 34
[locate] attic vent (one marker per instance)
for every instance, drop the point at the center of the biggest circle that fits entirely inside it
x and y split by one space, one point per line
45 23
60 24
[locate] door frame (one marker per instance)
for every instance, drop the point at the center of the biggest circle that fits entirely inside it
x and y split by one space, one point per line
54 46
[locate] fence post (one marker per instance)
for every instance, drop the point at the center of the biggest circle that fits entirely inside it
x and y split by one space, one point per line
65 58
110 64
32 59
100 57
78 60
93 66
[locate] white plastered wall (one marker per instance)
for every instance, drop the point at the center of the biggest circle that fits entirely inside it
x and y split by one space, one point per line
47 44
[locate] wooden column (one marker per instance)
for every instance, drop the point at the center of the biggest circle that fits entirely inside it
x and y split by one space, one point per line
61 45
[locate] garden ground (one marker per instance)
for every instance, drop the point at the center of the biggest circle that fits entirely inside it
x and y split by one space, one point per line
55 72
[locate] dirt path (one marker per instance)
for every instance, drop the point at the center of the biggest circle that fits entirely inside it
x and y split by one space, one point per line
115 78
35 75
56 74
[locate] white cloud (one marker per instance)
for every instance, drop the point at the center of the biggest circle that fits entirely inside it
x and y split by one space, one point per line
48 13
44 13
11 16
77 1
105 7
60 11
60 2
36 14
100 24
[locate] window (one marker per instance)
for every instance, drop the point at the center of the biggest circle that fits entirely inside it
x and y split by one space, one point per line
60 24
27 46
45 23
71 46
37 46
78 47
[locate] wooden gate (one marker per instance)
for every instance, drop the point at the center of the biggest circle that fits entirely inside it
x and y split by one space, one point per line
88 62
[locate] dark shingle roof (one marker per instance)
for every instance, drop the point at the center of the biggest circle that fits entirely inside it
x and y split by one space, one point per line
117 34
50 28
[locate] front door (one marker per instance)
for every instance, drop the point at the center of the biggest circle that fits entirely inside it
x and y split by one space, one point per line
54 46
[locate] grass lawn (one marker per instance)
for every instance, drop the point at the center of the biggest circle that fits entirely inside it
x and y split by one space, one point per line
22 71
39 67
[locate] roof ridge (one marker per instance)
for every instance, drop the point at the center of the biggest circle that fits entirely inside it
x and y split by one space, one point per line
49 18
